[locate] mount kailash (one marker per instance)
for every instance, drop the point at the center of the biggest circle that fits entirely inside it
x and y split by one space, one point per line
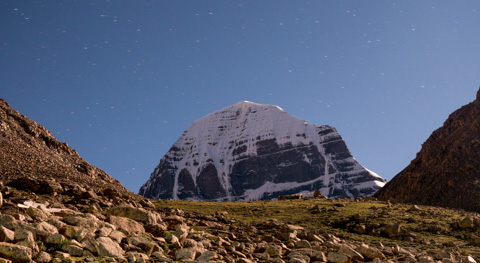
250 151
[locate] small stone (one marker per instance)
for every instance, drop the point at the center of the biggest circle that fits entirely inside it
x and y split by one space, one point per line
414 208
185 254
207 256
55 239
43 257
6 235
116 236
303 244
262 256
467 222
160 257
425 259
4 219
338 258
181 231
143 243
273 251
392 229
319 256
81 234
286 236
360 228
73 250
350 252
297 260
70 231
173 240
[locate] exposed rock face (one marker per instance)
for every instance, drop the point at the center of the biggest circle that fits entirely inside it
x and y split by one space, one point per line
446 171
31 158
251 151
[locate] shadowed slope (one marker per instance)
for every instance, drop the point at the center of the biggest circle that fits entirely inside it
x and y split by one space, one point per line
30 154
446 171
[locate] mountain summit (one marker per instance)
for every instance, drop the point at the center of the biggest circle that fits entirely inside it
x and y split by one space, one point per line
446 171
250 151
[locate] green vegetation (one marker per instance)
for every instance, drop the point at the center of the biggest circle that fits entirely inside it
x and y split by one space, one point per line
426 228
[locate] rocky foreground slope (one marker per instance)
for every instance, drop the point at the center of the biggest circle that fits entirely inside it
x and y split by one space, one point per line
250 151
114 229
446 171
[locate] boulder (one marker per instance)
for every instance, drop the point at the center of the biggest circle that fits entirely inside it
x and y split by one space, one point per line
43 230
107 247
38 213
137 214
15 253
126 225
82 220
370 252
23 234
30 244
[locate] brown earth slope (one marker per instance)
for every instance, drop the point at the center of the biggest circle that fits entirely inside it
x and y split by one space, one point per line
446 171
32 159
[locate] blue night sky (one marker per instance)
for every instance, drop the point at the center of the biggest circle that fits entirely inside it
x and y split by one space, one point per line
119 81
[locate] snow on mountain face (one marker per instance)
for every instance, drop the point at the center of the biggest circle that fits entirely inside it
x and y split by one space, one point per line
251 151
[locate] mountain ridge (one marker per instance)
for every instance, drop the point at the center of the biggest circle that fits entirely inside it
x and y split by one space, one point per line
31 155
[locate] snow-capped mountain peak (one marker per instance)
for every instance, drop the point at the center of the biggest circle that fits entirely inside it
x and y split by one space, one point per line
253 151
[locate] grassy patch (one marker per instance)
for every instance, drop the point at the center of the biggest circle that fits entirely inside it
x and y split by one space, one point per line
429 228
